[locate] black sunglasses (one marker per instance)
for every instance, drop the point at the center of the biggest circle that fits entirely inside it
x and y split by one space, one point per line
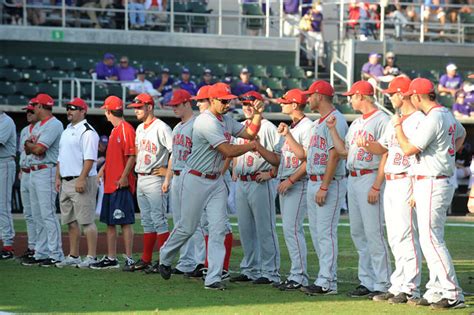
29 111
225 102
248 98
123 61
72 107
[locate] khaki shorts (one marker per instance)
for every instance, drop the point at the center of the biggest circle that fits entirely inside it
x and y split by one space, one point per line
76 206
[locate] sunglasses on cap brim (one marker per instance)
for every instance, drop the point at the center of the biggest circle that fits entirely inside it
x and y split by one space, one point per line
247 99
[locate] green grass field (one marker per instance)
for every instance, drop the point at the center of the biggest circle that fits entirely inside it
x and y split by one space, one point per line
53 290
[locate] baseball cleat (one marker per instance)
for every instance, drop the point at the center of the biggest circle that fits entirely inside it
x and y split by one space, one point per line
153 269
176 271
383 297
32 261
69 262
165 271
290 285
360 291
217 286
445 304
240 278
140 265
106 263
317 290
371 295
400 298
27 254
6 254
262 280
129 264
49 262
225 275
418 302
87 262
196 273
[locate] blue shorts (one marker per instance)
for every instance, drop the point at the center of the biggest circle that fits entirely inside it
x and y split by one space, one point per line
118 208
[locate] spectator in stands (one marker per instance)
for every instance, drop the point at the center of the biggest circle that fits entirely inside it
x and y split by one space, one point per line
373 71
136 9
36 16
314 40
158 7
353 18
206 79
364 17
374 17
450 82
14 8
432 7
185 83
125 71
164 84
91 13
244 85
106 69
463 161
391 68
399 20
141 85
291 18
461 108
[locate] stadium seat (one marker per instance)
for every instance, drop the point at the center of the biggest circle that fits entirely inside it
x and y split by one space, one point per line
180 21
2 74
27 89
198 22
51 74
306 82
65 64
13 75
17 100
235 69
175 68
101 93
292 83
258 70
277 71
3 100
151 66
19 62
274 108
4 62
217 69
257 81
80 74
115 89
34 75
85 64
274 84
42 63
445 100
295 72
253 9
7 88
49 88
195 68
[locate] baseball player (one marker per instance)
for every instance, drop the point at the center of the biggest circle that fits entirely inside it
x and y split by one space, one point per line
43 148
153 147
326 186
366 178
203 186
292 187
434 144
400 216
118 207
25 181
76 183
8 171
255 200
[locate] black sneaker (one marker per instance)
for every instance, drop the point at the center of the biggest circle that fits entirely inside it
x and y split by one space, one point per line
418 302
240 278
31 261
371 295
49 262
140 265
6 254
204 273
27 254
176 271
400 298
360 291
290 285
217 286
106 263
225 275
196 273
445 303
383 297
129 264
165 271
262 280
317 290
153 269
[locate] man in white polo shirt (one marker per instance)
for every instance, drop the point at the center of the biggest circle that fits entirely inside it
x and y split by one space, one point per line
76 182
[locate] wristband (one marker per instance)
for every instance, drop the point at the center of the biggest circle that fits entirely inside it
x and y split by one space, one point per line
254 128
376 189
323 188
471 197
292 182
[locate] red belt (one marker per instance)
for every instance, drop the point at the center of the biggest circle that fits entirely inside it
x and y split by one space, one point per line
248 177
418 177
315 178
26 170
199 174
177 173
395 176
361 172
40 167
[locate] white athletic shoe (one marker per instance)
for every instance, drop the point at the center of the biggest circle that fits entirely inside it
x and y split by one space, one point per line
85 264
69 262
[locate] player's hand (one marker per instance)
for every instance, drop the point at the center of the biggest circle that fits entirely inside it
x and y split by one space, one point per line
57 184
166 185
373 196
80 185
263 176
284 186
99 178
470 205
331 122
235 177
396 120
320 197
412 202
123 182
259 106
362 141
159 171
283 129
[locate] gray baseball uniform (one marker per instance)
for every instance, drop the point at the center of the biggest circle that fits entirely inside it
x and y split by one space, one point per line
7 168
193 252
367 219
323 220
400 218
256 210
154 144
199 192
293 204
433 191
46 133
25 187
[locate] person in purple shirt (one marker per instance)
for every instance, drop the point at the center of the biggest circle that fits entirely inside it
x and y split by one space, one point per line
164 84
206 79
106 69
244 85
450 82
185 83
291 17
314 40
125 71
461 108
372 68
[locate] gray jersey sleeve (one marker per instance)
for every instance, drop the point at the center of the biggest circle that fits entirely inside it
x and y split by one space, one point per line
211 131
50 135
426 132
236 127
165 137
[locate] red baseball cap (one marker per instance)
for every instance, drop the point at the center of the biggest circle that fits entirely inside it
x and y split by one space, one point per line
250 96
141 100
398 84
180 96
30 104
320 87
44 99
360 87
420 86
221 91
112 103
202 94
293 96
79 102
